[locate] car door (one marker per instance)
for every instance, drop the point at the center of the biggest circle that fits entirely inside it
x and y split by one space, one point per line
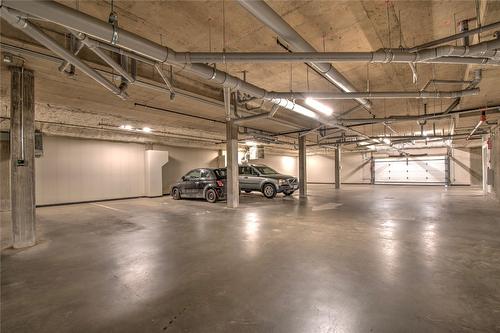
244 177
205 179
190 183
254 178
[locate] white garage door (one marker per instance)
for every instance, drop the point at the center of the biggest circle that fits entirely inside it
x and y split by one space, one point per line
420 170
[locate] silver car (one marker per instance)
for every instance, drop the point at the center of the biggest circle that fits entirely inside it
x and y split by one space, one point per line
260 177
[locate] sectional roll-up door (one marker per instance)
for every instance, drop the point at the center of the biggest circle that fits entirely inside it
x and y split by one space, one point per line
411 170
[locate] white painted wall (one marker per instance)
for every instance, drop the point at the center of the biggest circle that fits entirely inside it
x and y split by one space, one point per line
76 170
288 165
154 160
181 160
73 170
320 168
356 168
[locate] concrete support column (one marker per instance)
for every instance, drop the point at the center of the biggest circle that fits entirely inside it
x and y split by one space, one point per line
22 170
4 172
302 167
232 182
338 166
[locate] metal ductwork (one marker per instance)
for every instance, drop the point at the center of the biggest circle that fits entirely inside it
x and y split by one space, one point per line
275 22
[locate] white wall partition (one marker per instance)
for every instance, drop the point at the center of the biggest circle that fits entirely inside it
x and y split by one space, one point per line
74 170
154 161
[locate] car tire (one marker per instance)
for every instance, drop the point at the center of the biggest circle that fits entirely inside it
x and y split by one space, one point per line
269 191
176 194
248 191
288 193
211 195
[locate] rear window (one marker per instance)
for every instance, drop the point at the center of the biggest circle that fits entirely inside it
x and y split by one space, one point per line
220 173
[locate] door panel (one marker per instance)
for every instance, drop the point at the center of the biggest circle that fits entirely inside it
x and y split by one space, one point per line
424 170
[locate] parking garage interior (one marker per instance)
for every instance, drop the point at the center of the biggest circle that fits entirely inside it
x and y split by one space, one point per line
250 166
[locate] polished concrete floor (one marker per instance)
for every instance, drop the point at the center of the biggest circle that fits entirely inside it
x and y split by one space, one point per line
362 259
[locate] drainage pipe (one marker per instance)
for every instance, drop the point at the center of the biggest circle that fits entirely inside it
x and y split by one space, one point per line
271 19
48 42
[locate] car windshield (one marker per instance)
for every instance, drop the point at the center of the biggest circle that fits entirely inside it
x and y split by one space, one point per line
265 170
220 173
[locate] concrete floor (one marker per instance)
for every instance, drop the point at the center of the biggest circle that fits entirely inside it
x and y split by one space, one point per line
363 259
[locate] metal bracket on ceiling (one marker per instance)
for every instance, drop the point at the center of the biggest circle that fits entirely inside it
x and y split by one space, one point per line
113 20
167 82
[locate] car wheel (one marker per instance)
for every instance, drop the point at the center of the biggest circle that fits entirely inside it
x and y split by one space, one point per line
288 193
247 191
269 191
211 195
176 194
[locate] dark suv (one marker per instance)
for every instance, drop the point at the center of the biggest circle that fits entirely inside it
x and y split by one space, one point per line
208 183
260 177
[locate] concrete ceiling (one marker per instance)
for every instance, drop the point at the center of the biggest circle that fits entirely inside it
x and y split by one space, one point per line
199 26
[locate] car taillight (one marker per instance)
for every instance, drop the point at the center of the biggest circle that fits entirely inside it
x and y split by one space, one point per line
220 183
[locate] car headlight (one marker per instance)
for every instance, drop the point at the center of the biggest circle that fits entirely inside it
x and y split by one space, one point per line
282 182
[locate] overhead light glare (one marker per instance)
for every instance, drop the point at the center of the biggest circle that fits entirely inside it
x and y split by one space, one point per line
294 107
387 141
126 127
146 129
250 143
326 110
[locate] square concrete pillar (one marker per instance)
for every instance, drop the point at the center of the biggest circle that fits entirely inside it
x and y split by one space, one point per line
302 167
338 167
232 183
22 169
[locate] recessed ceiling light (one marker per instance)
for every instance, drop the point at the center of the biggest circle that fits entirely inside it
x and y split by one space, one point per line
326 110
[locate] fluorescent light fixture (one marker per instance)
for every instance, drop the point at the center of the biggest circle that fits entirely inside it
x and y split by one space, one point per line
294 107
146 129
387 141
126 127
326 110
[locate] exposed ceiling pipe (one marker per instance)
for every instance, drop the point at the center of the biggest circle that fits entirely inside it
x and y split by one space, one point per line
434 82
270 18
139 82
485 53
375 95
451 38
394 119
91 26
48 42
